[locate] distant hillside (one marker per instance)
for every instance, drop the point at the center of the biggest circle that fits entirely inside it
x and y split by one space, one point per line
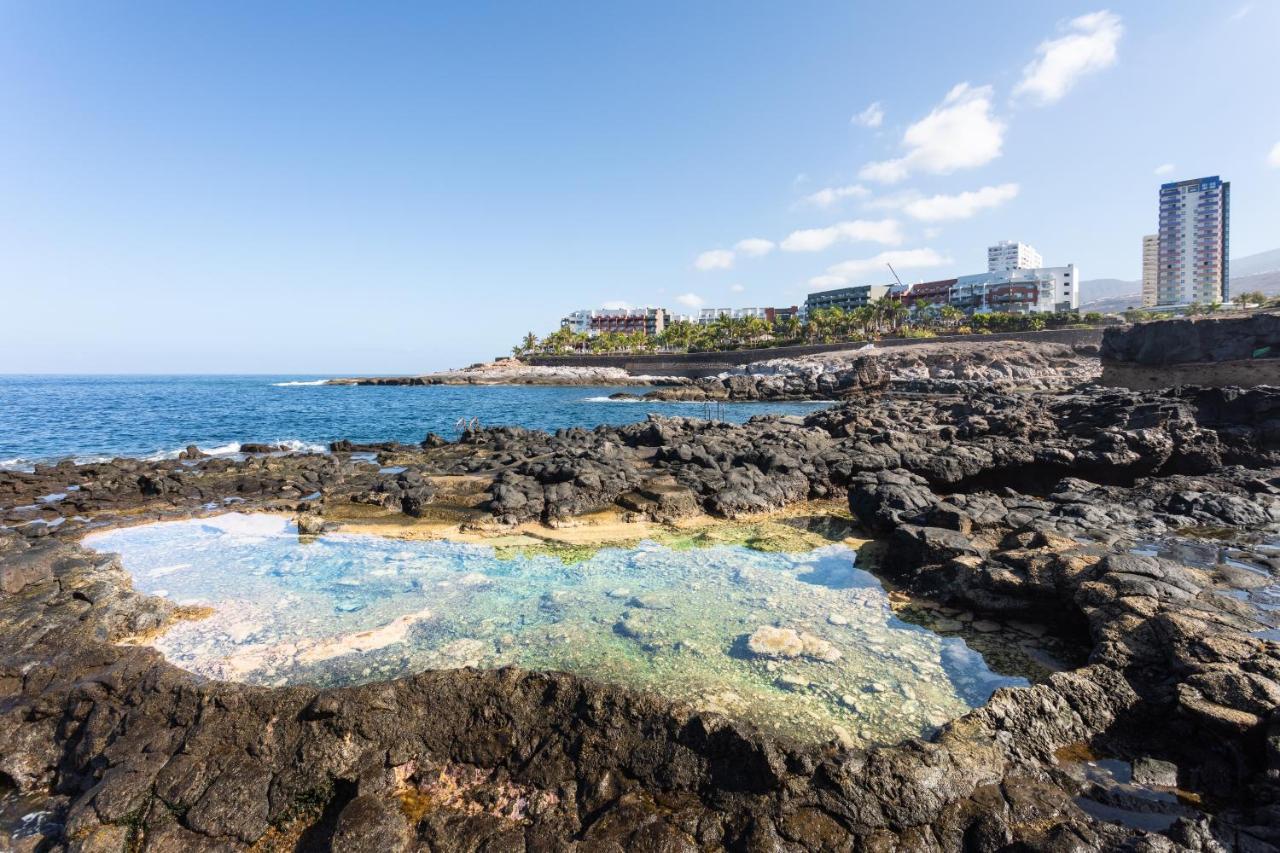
1256 264
1113 295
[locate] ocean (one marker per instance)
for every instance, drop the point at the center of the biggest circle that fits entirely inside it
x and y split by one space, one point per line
46 418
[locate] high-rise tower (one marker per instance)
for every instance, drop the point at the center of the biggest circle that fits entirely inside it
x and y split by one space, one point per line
1195 219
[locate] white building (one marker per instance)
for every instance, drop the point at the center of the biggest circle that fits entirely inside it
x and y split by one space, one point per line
650 321
1150 270
1019 291
1012 255
706 316
1195 220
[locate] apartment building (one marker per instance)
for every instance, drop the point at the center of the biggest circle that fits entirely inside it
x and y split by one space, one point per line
649 321
1194 241
846 298
1012 255
1150 270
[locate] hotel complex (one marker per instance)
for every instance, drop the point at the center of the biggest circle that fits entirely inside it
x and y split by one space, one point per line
1015 283
1192 243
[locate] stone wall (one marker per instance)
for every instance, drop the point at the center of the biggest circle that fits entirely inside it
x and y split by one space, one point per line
696 365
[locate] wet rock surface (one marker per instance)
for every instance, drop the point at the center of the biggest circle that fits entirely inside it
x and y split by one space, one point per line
1022 508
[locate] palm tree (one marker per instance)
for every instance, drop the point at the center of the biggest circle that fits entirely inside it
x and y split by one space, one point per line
862 318
895 313
792 327
950 316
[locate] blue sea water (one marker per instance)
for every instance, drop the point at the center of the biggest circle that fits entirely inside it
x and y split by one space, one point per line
45 418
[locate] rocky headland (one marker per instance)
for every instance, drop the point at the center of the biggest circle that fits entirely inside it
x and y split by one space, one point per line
1080 513
511 371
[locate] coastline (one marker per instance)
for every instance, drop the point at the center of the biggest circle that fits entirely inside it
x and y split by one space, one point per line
1018 506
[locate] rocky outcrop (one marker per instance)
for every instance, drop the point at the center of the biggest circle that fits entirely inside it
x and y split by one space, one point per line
1015 506
1193 340
925 368
1216 352
516 372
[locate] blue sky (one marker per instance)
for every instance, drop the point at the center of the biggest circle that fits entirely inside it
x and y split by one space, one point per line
354 188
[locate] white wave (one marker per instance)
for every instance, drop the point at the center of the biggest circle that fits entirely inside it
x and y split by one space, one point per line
231 448
297 384
612 400
227 449
293 445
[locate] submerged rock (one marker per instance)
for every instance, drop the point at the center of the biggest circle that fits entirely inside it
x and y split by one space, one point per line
773 642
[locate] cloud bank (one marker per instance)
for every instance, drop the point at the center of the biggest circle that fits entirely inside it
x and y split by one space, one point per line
886 231
846 271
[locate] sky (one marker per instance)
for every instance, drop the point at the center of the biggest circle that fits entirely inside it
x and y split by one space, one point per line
342 188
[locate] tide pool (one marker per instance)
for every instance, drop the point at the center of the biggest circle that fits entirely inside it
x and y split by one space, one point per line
346 609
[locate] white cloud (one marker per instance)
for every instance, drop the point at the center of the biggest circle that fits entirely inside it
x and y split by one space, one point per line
1088 46
893 201
716 259
1239 14
1273 159
736 288
843 273
1164 169
872 116
616 304
960 133
886 231
690 300
830 195
754 247
940 208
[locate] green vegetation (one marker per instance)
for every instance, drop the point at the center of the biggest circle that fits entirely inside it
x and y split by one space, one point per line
881 319
1248 299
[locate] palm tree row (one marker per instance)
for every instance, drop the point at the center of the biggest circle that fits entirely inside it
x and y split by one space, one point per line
884 317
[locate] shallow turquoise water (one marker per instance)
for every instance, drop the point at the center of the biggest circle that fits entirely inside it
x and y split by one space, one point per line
345 609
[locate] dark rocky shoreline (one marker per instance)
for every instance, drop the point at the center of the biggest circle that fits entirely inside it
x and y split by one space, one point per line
1022 506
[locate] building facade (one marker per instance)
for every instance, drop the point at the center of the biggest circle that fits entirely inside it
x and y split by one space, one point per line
925 293
1012 255
1194 241
846 298
1150 270
648 321
1019 291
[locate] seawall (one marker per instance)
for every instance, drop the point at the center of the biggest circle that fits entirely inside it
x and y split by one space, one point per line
698 364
